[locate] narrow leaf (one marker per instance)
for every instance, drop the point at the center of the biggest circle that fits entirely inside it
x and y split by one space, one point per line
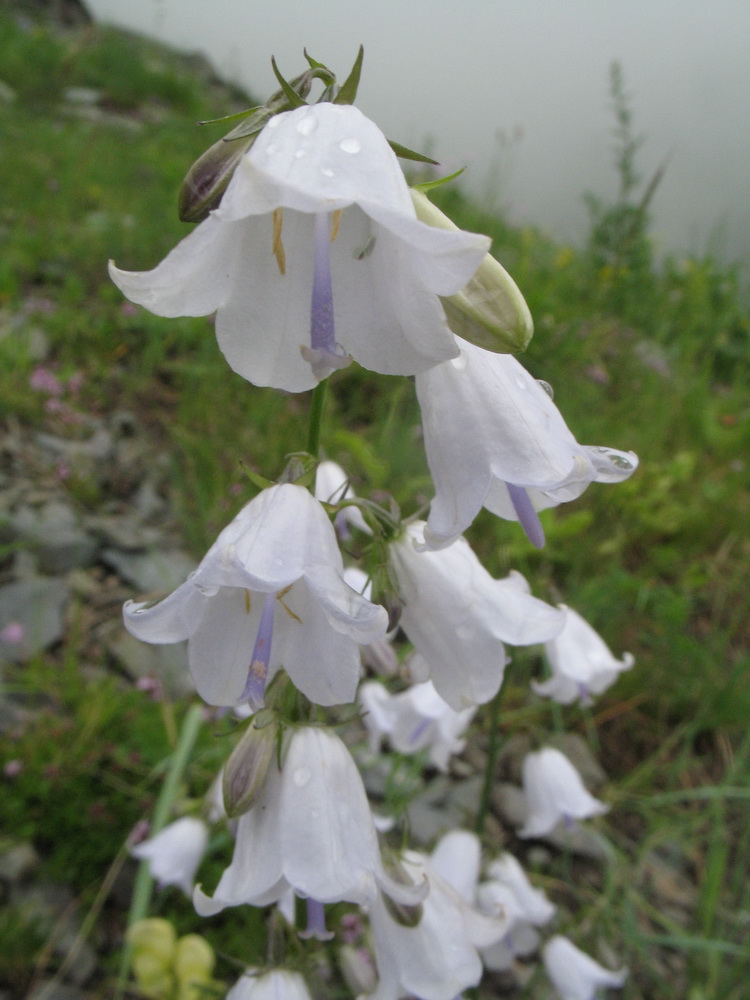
429 185
291 95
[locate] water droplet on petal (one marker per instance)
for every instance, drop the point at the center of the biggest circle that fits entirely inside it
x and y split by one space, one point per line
521 382
350 145
327 172
300 153
273 123
270 149
459 363
547 388
301 776
616 458
307 125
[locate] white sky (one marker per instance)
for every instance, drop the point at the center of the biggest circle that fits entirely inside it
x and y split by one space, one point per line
458 73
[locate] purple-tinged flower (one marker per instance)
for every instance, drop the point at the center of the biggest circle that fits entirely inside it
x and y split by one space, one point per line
310 829
582 664
554 791
495 439
315 256
269 593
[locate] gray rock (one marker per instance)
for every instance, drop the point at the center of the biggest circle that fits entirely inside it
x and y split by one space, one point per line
151 571
54 534
36 605
443 806
18 862
122 531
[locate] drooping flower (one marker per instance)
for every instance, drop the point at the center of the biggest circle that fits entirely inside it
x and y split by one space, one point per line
509 890
554 791
458 617
582 663
310 828
413 720
574 974
509 450
279 984
175 852
269 593
316 243
438 957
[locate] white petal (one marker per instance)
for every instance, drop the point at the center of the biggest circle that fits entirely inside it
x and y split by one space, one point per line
574 974
275 985
456 858
554 790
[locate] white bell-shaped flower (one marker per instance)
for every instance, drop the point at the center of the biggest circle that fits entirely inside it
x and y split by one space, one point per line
495 439
574 974
413 720
509 890
269 593
310 828
174 853
279 984
316 244
458 617
439 957
554 791
582 663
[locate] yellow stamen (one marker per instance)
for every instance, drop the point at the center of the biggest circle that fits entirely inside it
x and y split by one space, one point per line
280 598
335 223
247 602
278 245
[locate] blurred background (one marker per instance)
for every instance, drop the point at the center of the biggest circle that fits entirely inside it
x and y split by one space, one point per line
517 91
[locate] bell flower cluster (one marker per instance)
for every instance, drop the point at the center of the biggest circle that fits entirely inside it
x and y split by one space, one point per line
439 957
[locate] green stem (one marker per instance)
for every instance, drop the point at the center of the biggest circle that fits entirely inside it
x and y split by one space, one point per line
316 417
493 749
144 883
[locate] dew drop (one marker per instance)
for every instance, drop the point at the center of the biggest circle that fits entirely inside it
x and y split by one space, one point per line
521 382
270 149
273 122
327 172
307 125
300 153
547 387
350 145
459 363
618 460
301 776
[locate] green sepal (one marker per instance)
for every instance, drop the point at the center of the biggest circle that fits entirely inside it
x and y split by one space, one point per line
348 92
236 117
409 154
250 125
295 101
300 469
431 185
257 480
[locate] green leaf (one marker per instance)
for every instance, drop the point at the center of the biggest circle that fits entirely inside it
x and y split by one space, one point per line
348 91
409 154
295 101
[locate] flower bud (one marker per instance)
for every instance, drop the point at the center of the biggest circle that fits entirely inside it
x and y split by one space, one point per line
245 771
194 962
208 178
152 943
490 310
358 969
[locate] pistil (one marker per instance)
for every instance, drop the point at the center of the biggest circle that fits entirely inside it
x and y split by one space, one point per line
257 674
526 514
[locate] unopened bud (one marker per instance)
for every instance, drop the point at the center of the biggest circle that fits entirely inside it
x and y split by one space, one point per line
245 771
358 969
489 311
208 178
